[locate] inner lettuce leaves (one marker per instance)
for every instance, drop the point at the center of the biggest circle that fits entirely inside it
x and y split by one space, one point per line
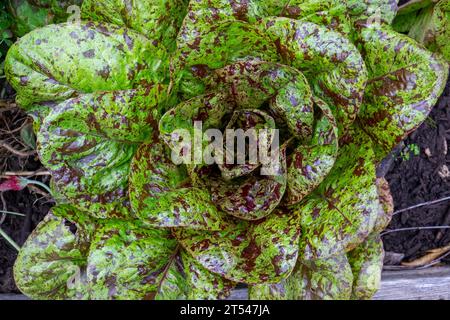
428 22
108 92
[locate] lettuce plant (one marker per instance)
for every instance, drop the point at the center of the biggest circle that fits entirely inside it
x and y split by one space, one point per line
107 94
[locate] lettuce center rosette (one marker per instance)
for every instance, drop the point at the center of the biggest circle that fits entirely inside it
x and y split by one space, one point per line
331 78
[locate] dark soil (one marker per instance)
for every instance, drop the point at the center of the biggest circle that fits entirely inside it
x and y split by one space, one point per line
420 173
28 202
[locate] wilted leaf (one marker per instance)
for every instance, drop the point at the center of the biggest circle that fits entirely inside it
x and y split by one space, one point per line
27 136
429 257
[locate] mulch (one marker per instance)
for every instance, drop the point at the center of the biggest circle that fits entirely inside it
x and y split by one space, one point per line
27 202
419 174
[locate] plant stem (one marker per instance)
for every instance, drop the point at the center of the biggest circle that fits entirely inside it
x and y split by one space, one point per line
414 229
8 239
38 183
12 213
421 205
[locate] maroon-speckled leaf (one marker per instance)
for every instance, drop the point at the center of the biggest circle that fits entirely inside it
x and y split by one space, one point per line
342 211
128 261
249 252
310 163
322 279
161 193
88 142
405 83
51 263
157 20
372 11
330 62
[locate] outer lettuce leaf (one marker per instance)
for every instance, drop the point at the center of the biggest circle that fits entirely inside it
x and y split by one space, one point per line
109 260
372 11
157 20
330 62
367 263
161 195
322 279
52 262
342 211
333 14
127 261
405 82
249 252
88 144
95 57
102 93
355 275
31 14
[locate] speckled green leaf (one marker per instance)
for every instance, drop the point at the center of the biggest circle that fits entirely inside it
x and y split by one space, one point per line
330 62
95 57
367 263
249 252
88 143
127 261
227 42
366 12
157 20
405 83
330 13
427 22
51 263
309 164
342 211
252 83
202 284
322 279
203 15
161 194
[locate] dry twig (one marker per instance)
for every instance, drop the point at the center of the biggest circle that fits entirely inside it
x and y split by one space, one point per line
23 154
